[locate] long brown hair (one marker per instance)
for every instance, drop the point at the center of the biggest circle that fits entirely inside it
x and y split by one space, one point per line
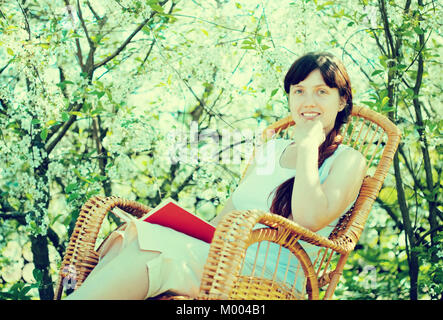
335 76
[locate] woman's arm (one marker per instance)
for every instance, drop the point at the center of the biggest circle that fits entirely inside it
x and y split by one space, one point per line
316 205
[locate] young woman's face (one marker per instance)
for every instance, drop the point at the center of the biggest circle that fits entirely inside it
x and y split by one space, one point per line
312 99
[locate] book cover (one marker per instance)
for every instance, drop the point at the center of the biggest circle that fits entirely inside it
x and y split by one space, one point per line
169 214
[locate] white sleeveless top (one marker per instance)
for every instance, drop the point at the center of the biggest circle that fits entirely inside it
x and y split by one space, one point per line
256 191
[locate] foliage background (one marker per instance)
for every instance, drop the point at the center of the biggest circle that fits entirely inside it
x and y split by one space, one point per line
90 92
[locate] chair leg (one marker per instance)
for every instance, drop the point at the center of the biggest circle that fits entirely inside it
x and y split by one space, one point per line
336 277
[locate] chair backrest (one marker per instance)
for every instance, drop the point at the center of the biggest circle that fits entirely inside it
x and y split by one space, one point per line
367 131
377 138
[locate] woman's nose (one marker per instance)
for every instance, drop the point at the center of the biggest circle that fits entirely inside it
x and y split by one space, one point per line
309 100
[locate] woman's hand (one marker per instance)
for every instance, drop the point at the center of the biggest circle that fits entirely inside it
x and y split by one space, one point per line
309 132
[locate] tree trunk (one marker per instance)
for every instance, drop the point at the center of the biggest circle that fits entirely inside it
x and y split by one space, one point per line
41 261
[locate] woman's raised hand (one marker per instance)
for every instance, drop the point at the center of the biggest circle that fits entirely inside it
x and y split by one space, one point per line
309 132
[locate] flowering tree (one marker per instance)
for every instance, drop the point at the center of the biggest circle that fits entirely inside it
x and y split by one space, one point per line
403 82
153 99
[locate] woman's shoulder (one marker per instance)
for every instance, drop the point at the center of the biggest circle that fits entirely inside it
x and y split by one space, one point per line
349 151
349 156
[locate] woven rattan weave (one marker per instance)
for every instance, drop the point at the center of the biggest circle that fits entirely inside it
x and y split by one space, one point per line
375 136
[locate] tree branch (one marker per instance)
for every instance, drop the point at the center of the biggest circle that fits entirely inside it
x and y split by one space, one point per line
128 40
431 231
358 64
184 184
98 134
77 41
19 216
96 16
63 131
92 47
384 16
377 40
407 6
83 24
4 107
6 66
410 169
432 218
27 27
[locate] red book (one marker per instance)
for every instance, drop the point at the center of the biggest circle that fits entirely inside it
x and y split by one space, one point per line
170 214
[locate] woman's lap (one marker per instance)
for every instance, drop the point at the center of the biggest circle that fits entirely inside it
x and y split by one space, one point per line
178 264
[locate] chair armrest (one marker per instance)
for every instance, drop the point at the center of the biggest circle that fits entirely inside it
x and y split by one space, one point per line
290 230
80 256
287 229
233 236
345 235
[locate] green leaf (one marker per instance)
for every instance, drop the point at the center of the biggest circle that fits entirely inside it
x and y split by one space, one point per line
64 83
70 187
38 275
65 116
72 197
384 101
322 6
274 92
86 107
377 72
146 30
51 123
157 8
99 94
100 178
410 92
383 61
9 51
418 30
44 134
368 103
96 111
44 45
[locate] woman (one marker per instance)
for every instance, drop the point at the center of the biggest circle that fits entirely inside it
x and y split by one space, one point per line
145 260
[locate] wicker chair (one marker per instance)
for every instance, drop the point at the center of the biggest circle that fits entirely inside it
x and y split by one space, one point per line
371 133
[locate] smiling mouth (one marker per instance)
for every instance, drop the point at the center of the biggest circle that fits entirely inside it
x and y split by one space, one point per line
310 115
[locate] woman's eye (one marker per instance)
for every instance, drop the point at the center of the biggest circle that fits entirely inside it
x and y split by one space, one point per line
322 91
298 91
